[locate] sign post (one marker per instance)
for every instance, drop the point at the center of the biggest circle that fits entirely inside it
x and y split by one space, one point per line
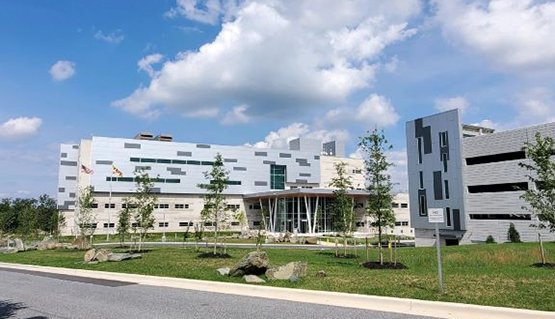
435 216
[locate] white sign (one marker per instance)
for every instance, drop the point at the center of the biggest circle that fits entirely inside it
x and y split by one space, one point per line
435 215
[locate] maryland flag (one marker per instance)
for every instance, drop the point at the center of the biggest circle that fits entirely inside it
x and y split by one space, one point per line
116 171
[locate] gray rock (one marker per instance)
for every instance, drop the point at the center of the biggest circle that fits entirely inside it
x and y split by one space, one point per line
253 279
19 245
8 250
296 269
48 243
89 256
102 255
123 256
293 240
312 240
321 274
254 263
294 279
223 271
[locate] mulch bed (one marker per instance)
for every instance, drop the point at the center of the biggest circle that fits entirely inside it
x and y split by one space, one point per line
546 265
212 255
386 265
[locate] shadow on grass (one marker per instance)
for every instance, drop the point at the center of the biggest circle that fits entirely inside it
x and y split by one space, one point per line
385 265
546 265
8 309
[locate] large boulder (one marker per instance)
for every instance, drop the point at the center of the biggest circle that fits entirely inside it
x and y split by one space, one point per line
253 279
292 271
19 245
89 255
81 243
311 240
48 243
122 256
102 255
254 263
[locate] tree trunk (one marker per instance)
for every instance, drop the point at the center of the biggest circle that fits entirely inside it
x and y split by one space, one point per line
366 245
395 251
336 248
542 251
355 246
380 243
344 246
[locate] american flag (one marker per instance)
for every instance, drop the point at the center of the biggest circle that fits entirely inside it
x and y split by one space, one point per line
86 170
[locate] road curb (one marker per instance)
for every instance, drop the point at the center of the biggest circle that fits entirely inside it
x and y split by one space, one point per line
416 307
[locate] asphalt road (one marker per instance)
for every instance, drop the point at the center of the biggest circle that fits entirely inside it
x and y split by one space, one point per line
34 295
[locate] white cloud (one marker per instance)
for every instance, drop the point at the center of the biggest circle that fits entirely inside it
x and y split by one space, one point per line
113 37
375 110
207 11
20 127
236 116
451 103
398 172
277 56
280 138
146 63
391 65
62 70
515 35
535 106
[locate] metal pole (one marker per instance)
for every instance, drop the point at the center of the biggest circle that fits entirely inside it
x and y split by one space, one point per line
439 270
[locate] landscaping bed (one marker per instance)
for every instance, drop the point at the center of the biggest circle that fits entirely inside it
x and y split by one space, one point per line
494 275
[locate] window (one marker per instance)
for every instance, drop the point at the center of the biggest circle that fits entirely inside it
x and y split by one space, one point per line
172 181
254 206
448 216
395 205
443 139
421 179
277 176
501 216
162 206
496 188
181 206
206 163
256 223
357 171
110 225
398 224
360 224
359 205
182 162
109 205
148 160
185 224
135 159
422 205
163 224
233 206
496 158
446 189
235 223
444 160
164 161
208 224
419 150
95 205
404 205
134 225
88 225
130 205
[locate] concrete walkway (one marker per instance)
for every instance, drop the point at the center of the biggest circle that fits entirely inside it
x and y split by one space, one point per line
375 303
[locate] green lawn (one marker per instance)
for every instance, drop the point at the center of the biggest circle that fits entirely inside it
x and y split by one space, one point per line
495 275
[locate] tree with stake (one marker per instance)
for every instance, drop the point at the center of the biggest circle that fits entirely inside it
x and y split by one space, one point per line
215 206
541 172
342 209
124 219
86 218
374 147
145 200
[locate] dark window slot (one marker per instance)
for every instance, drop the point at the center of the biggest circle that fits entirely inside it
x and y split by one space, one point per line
497 188
496 158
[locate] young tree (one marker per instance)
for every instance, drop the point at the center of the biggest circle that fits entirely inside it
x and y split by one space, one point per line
215 206
342 209
58 220
261 234
27 217
541 172
124 219
86 218
47 214
145 200
374 147
8 216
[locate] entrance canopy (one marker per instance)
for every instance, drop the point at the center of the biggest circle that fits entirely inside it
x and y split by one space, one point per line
303 210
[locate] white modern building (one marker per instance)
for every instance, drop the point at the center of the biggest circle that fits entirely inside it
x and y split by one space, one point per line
472 173
292 185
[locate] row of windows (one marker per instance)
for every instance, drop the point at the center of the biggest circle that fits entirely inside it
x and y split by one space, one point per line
169 161
164 224
306 187
497 188
254 206
229 182
397 205
501 216
401 223
511 156
135 179
157 206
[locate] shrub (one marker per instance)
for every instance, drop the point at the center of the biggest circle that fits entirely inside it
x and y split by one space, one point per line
513 235
490 240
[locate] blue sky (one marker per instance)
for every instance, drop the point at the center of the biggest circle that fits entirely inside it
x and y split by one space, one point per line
233 71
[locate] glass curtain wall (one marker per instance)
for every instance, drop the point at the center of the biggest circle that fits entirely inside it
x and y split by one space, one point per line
291 213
